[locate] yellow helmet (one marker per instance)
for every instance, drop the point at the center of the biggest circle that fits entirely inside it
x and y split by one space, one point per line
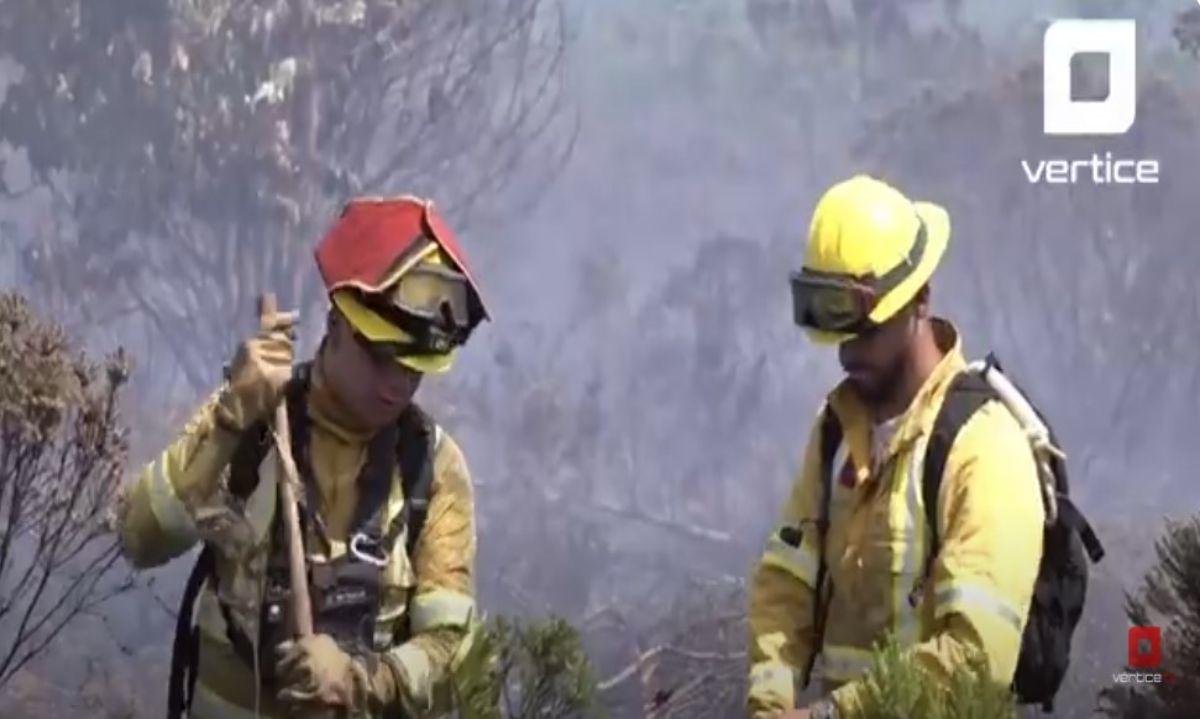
870 250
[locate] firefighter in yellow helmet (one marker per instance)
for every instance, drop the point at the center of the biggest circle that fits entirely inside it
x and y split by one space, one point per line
864 288
387 508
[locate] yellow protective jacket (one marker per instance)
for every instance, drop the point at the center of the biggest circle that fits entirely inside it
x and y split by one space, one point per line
990 517
181 498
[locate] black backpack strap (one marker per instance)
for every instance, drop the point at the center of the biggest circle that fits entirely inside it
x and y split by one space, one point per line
257 441
374 481
299 427
830 439
416 452
1069 515
408 445
186 645
243 465
374 488
968 392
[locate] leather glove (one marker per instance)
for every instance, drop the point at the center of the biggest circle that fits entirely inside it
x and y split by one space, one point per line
316 676
260 370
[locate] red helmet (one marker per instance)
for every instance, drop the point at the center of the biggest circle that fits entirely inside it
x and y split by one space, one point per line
395 270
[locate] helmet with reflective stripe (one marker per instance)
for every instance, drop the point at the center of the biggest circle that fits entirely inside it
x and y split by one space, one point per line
395 271
870 250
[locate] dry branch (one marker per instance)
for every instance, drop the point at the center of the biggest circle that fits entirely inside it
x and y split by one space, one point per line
62 451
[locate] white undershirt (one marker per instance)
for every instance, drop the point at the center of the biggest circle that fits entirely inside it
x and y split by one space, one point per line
881 437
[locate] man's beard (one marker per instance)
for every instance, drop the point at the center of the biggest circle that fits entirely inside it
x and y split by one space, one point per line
884 384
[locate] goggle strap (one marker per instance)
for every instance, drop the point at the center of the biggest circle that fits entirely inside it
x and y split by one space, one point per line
893 277
890 279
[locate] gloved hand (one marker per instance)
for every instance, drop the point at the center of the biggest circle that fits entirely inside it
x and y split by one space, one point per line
259 372
316 675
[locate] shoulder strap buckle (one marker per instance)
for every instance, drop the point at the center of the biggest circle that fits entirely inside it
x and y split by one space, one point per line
367 550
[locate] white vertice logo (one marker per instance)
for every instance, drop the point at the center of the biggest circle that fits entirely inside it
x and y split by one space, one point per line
1113 115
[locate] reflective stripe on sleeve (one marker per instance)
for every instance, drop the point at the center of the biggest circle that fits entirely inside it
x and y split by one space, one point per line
414 664
441 608
775 677
953 596
843 663
910 558
800 562
170 513
209 619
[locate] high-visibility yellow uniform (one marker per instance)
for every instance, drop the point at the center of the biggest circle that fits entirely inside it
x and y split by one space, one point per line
426 604
990 516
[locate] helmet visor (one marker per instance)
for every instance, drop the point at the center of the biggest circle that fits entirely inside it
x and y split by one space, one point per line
417 358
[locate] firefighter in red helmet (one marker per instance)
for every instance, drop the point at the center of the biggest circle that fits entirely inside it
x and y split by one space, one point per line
388 513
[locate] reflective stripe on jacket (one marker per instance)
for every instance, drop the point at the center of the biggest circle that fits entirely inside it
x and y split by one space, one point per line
990 515
177 500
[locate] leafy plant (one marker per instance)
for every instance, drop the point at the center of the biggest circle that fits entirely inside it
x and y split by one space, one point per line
898 688
532 669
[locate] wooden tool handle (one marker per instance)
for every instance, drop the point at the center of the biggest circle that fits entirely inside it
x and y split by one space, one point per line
297 564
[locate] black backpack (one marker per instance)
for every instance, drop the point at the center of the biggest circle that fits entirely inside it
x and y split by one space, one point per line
1061 586
415 439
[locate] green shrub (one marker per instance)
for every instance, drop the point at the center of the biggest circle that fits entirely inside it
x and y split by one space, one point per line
1169 598
539 669
900 689
528 669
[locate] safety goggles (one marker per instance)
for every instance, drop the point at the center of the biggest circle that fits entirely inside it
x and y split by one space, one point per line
833 302
435 294
431 304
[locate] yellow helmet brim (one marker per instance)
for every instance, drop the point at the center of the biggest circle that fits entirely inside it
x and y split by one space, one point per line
377 329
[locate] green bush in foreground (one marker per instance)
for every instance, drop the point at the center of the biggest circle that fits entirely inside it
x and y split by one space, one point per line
539 669
899 689
528 669
1169 597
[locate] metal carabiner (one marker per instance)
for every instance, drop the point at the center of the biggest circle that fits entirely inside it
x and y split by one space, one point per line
363 555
